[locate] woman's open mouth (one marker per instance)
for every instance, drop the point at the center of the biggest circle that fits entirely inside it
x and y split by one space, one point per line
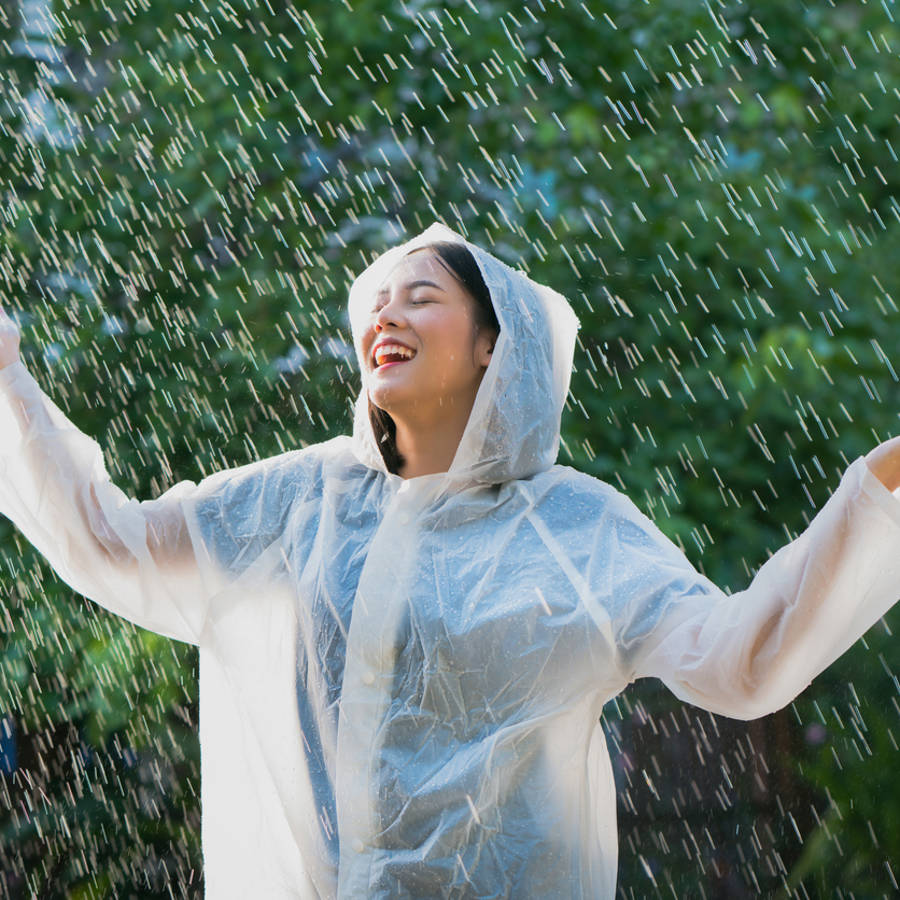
391 354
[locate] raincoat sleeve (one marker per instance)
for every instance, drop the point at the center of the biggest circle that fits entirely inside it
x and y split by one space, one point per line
750 653
156 563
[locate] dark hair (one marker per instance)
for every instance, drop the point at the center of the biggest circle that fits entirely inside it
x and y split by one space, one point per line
458 260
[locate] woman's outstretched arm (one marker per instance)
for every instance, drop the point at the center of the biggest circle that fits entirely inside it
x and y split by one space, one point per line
136 559
747 654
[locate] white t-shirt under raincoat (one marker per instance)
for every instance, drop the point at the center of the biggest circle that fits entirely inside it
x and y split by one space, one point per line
401 680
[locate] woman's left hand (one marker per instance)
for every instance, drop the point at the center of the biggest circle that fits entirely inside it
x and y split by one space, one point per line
884 463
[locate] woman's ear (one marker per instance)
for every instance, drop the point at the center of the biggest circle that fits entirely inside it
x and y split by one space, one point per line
486 342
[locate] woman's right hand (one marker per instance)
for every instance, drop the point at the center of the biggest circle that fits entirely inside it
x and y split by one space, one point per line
9 340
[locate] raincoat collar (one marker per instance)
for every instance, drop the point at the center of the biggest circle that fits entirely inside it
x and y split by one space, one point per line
513 429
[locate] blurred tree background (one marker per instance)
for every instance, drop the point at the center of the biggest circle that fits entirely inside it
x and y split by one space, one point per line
187 191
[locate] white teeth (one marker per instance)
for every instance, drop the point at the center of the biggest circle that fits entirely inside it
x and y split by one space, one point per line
386 350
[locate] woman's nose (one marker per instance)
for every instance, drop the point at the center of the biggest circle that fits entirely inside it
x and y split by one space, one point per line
388 314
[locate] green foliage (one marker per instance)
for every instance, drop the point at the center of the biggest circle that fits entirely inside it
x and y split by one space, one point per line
713 185
855 718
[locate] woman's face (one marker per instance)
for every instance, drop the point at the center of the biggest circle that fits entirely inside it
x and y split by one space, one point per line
422 349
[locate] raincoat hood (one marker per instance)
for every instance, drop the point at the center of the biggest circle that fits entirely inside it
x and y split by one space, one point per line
513 429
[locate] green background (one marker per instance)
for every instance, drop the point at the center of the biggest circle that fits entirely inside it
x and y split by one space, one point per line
187 191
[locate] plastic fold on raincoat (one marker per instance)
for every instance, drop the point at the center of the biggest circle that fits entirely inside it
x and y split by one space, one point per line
401 680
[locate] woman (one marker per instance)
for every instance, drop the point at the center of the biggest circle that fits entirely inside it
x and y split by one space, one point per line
407 636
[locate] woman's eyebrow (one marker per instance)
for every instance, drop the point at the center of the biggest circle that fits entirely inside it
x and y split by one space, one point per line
412 284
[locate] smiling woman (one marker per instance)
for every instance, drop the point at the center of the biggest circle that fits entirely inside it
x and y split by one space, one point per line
428 343
403 658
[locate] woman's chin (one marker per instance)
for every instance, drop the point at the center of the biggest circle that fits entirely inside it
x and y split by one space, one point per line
388 398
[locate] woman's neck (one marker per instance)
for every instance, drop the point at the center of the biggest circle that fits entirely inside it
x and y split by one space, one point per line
429 447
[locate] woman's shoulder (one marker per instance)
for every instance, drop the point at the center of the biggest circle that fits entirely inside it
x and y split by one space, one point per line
299 468
592 516
565 484
580 499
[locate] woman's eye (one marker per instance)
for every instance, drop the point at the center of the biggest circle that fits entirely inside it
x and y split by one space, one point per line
420 301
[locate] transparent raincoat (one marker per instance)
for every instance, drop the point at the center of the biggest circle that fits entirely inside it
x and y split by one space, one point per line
401 680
